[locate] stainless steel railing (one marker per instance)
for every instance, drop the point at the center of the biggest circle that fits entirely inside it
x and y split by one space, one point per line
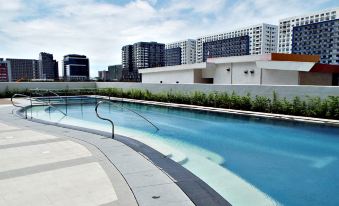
102 118
35 99
121 106
48 91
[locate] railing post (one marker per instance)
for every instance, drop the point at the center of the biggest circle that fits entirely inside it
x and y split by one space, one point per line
66 99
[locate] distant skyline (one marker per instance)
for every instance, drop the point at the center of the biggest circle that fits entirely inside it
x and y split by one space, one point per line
99 28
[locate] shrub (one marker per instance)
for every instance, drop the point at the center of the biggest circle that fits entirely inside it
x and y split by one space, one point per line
261 104
310 106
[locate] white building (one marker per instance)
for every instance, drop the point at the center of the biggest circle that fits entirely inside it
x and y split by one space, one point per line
187 50
265 69
286 26
263 39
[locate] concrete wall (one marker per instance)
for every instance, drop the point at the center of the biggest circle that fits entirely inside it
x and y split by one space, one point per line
239 77
170 77
222 76
263 90
44 85
280 77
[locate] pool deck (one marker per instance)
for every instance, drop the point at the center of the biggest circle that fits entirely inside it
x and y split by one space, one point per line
43 164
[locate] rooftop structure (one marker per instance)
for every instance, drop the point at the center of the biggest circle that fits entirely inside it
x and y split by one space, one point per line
265 69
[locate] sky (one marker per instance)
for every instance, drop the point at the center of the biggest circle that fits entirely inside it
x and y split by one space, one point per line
99 28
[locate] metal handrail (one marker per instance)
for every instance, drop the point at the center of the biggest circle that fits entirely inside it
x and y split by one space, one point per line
38 100
102 118
121 106
36 90
15 105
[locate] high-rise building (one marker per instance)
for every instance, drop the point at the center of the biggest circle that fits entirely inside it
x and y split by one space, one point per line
236 46
180 52
4 71
129 73
22 69
115 72
262 39
173 56
103 75
75 67
148 55
286 26
139 56
320 38
48 67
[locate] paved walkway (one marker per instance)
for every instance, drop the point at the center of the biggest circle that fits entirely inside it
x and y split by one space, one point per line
48 165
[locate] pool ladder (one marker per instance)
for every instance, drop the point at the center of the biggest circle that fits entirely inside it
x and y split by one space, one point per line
121 106
31 102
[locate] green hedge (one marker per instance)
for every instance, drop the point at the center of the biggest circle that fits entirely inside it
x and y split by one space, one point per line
310 106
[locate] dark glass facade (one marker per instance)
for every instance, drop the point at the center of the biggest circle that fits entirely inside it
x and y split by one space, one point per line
76 68
115 72
48 67
22 69
318 39
236 46
129 73
3 71
173 56
139 56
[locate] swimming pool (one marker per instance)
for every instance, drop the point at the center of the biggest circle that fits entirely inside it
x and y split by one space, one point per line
249 161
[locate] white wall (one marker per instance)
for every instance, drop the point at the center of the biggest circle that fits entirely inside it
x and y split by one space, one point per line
280 77
239 77
287 91
170 77
222 76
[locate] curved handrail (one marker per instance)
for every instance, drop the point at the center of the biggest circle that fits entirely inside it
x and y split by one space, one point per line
55 94
102 118
15 95
121 106
38 100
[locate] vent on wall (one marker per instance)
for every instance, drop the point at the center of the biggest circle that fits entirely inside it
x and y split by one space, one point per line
228 69
252 71
246 71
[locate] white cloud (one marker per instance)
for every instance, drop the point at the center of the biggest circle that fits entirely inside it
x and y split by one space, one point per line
99 30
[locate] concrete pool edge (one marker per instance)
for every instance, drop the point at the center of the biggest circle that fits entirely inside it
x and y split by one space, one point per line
282 117
199 192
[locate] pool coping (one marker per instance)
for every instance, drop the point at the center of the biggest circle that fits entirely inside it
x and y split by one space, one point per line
199 192
284 117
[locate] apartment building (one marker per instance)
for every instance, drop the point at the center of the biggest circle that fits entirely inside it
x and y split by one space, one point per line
23 69
48 67
115 72
263 39
180 52
320 38
139 56
287 25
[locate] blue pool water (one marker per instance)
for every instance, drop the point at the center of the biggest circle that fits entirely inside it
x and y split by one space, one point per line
249 161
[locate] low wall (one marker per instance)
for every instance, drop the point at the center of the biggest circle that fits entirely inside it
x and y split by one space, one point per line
44 85
262 90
